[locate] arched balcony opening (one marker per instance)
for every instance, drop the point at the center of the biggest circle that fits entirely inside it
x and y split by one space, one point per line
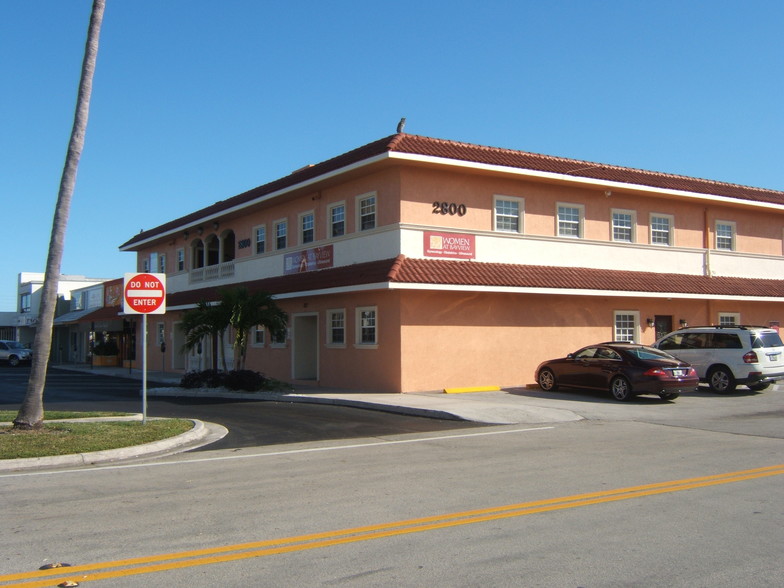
213 250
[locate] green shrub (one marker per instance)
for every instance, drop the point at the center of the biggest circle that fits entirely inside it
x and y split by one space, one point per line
246 380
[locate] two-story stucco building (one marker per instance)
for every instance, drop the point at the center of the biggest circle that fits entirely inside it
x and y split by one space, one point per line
413 263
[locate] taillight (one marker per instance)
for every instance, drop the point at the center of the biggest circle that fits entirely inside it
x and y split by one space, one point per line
655 372
750 357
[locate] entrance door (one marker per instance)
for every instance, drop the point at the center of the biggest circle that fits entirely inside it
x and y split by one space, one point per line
305 347
663 325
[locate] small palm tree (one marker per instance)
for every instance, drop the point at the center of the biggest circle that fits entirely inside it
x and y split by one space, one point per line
248 310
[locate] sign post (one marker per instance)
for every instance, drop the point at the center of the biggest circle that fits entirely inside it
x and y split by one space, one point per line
144 294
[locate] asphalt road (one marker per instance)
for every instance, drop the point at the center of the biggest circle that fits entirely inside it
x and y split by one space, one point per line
684 494
250 423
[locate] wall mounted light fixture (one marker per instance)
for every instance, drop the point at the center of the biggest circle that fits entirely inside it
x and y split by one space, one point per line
651 322
185 234
684 323
215 225
200 230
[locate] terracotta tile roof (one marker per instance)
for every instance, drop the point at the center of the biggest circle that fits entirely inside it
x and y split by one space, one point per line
418 145
462 273
402 270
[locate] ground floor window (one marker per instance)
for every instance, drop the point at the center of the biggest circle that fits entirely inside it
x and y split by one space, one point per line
258 336
729 319
336 327
625 325
366 326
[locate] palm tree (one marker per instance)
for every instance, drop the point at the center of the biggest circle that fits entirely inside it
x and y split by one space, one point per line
247 311
31 413
206 320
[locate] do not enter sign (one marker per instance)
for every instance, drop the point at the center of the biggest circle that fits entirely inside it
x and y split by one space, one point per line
145 293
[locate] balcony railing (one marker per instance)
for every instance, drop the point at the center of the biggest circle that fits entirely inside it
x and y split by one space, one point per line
211 273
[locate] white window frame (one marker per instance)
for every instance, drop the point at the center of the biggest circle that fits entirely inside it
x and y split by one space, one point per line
162 263
304 229
580 224
732 227
259 338
358 343
653 232
331 313
360 216
260 230
632 229
620 333
499 220
728 319
276 228
181 259
330 221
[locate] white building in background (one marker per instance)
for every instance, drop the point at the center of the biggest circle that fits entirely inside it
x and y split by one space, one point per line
22 324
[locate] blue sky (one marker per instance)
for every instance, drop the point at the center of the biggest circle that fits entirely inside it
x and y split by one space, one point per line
195 101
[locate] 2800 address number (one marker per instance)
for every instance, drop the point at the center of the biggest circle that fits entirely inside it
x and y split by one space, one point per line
449 208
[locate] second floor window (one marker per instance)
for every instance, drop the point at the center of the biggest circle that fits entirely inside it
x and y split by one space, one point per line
661 230
622 226
569 221
337 220
507 215
180 260
24 303
308 231
725 236
367 213
162 263
261 239
280 234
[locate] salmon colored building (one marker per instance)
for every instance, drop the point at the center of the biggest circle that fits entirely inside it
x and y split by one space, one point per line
418 264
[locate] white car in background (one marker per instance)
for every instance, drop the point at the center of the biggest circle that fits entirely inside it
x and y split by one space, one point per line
14 353
727 356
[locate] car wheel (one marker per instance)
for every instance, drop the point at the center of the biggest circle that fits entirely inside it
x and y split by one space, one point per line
669 395
721 380
620 388
547 380
13 360
759 387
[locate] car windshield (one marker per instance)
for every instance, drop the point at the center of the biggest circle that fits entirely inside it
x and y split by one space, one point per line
770 339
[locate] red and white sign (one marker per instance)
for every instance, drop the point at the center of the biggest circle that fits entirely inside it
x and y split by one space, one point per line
145 293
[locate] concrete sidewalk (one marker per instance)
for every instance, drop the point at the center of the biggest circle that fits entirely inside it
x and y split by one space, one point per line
497 407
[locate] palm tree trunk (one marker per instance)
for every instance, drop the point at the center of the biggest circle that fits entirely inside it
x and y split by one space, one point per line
31 413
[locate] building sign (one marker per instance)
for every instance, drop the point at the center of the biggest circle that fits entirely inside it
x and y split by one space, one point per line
452 245
308 260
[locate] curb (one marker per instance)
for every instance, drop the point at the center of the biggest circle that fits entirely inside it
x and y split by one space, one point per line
307 399
201 434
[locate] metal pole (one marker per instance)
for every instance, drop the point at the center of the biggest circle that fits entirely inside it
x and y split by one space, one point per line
144 369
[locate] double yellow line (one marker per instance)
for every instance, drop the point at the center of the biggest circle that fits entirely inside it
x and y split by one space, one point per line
200 557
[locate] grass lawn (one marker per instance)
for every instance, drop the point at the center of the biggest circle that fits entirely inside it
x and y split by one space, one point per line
56 438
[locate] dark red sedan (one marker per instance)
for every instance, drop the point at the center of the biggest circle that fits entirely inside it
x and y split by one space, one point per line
625 369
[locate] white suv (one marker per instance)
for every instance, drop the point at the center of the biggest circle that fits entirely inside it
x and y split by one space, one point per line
731 355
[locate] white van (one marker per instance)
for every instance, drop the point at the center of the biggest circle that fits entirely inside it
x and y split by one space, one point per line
731 355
